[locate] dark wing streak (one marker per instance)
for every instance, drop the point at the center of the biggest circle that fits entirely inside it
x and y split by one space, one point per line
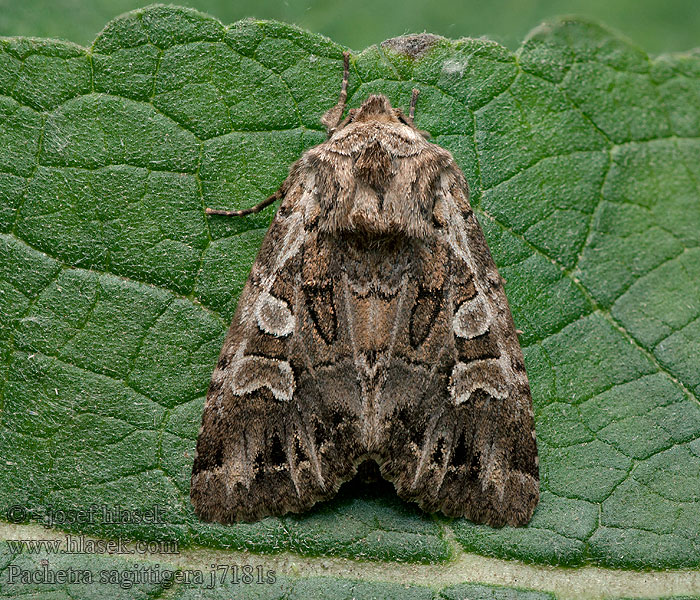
426 449
289 432
399 320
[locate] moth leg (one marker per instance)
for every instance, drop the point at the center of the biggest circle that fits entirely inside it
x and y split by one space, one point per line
331 119
248 211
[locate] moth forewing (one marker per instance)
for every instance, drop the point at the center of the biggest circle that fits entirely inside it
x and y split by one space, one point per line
374 325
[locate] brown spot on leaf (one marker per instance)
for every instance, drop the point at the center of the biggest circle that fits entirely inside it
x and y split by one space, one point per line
413 46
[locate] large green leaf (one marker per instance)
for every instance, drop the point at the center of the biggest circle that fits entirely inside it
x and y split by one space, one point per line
583 158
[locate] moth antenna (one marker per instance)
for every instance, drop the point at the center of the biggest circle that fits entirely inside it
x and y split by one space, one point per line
412 108
246 211
331 119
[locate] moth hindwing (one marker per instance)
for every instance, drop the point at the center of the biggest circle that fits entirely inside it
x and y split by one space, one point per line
373 325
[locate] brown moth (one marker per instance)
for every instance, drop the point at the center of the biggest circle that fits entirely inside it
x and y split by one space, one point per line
373 326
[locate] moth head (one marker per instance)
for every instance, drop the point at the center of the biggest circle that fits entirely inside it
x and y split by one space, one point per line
377 109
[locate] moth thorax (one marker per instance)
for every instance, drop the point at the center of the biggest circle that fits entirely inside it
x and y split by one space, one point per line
379 199
373 167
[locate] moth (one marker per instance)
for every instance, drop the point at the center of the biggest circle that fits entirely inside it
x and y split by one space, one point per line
373 326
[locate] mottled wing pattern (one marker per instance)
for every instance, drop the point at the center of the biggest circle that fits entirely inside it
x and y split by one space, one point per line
269 442
374 325
460 437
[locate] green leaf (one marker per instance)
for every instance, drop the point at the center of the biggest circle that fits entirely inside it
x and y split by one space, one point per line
582 155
